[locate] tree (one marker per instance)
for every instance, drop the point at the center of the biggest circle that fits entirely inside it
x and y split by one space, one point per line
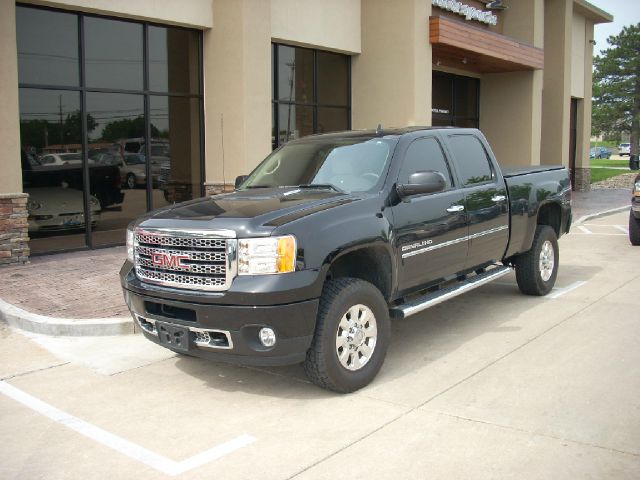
616 86
126 128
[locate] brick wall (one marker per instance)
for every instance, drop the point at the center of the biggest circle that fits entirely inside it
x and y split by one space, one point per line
14 235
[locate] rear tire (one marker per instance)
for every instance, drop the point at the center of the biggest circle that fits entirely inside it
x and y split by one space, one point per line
351 338
537 269
634 229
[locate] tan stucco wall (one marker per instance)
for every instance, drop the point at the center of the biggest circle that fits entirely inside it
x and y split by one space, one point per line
510 113
556 96
326 24
583 134
237 71
511 103
578 48
391 79
10 166
524 20
191 13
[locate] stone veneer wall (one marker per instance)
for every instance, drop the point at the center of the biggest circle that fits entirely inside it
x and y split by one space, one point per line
583 180
14 229
216 188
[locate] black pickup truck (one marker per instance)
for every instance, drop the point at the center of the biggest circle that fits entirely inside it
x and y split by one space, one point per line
333 235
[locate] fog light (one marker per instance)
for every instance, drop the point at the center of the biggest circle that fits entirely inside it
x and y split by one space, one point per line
267 337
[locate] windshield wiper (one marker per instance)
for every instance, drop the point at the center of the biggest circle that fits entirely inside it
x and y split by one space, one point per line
259 186
323 186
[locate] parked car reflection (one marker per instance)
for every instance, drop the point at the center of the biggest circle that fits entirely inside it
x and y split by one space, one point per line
53 159
55 209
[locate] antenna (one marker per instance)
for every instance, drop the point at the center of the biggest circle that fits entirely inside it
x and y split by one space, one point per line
224 180
379 129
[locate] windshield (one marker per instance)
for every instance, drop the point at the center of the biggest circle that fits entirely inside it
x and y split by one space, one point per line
349 165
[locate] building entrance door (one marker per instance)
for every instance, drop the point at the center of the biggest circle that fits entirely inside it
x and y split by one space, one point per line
455 100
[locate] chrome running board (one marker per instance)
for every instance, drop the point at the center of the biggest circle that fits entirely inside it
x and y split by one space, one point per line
434 298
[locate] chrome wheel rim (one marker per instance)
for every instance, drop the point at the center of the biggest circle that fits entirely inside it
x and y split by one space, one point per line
356 337
547 261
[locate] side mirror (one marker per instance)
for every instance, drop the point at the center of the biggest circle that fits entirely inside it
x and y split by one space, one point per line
634 163
422 183
240 180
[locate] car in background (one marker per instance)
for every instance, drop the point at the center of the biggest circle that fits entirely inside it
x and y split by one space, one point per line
133 170
624 149
59 159
55 209
600 152
634 213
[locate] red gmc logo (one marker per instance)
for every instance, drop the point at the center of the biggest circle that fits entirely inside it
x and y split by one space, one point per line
166 260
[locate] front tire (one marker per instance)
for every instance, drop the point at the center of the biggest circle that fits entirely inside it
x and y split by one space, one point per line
537 269
351 338
634 229
131 181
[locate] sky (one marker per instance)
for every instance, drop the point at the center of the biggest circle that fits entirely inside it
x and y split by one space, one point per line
625 12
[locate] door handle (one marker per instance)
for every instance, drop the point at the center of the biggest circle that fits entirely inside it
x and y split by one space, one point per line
455 208
498 198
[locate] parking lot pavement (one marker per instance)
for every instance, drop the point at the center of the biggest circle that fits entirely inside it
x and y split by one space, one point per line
492 384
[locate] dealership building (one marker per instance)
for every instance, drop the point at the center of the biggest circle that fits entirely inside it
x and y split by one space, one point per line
114 108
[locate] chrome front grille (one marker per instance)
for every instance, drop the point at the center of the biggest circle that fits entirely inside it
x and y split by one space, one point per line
190 259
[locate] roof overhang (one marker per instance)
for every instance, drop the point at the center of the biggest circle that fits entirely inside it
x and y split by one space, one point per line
591 12
456 44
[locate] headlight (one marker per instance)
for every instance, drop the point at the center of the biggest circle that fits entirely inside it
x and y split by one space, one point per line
130 245
95 203
258 256
636 189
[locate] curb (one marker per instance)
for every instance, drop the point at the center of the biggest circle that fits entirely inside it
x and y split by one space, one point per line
591 216
33 322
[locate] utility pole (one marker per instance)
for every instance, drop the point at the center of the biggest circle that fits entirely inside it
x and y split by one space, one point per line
60 116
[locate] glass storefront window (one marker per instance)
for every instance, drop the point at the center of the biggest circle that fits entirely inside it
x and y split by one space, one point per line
47 47
295 121
295 74
113 54
114 121
311 92
333 79
96 128
50 134
173 60
175 149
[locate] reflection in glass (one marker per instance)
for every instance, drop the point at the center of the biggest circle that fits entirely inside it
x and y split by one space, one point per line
175 149
113 52
116 121
295 74
47 47
333 79
295 121
173 60
332 119
52 169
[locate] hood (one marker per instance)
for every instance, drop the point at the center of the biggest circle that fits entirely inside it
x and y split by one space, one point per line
248 212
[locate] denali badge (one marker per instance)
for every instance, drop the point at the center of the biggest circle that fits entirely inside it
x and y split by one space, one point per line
166 260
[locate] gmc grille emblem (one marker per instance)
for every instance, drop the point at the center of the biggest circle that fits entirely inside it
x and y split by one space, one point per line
166 260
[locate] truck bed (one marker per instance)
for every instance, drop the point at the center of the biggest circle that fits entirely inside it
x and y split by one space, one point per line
509 172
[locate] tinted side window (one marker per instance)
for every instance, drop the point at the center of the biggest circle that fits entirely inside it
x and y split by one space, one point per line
473 162
424 154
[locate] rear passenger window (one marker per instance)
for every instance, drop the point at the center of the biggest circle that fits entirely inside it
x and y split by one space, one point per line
472 160
424 154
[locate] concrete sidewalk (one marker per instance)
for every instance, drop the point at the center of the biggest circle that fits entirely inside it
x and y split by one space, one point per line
79 293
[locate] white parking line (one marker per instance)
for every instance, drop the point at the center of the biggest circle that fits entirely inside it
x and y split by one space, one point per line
622 229
558 292
584 229
119 444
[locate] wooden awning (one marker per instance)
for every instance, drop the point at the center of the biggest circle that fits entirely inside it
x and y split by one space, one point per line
457 44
